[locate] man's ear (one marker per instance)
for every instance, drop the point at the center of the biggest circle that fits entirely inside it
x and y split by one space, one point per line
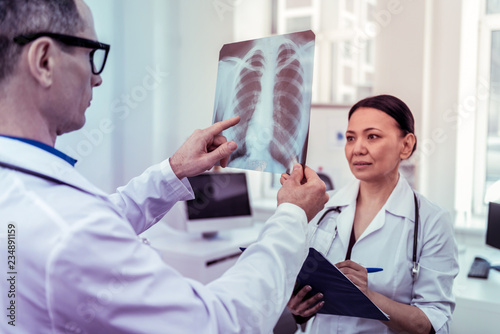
41 60
408 144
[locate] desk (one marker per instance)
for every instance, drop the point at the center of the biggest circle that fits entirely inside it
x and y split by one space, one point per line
478 300
202 259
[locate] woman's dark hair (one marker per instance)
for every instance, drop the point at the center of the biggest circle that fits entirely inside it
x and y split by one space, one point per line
393 107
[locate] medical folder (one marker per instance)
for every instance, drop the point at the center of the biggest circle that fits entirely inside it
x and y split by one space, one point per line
340 295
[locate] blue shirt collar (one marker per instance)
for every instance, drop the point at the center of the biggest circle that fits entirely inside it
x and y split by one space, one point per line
47 148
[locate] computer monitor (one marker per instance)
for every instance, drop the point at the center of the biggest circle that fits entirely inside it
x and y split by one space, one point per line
221 202
493 227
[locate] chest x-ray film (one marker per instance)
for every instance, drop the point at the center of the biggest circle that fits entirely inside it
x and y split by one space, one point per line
268 83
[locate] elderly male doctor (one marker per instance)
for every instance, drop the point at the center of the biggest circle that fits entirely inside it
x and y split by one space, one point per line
75 263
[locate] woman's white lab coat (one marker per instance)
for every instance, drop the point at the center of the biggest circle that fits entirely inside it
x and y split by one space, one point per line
388 243
82 269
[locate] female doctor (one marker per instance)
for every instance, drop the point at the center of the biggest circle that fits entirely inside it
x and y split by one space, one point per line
371 223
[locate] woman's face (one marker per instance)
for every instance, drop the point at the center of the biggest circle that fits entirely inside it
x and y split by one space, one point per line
375 145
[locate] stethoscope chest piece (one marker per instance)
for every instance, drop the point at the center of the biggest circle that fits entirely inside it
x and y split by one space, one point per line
415 270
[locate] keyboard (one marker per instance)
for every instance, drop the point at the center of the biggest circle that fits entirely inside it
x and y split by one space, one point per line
480 268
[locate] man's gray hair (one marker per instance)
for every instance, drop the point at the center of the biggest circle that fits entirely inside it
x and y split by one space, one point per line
30 16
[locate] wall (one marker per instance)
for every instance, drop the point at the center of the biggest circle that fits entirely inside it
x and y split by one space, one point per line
326 144
204 26
417 60
92 145
256 14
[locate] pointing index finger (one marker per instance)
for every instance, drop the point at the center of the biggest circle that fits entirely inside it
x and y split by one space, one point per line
218 127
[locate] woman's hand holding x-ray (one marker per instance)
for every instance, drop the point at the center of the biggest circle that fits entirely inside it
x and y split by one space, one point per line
203 149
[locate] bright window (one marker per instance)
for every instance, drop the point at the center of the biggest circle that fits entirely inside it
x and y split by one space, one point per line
487 186
344 45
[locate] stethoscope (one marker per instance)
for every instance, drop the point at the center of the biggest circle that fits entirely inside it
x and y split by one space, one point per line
416 266
51 179
31 172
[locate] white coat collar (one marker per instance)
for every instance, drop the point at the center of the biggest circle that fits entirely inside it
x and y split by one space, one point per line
400 202
26 156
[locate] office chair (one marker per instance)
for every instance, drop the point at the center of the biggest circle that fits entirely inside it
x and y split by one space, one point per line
325 178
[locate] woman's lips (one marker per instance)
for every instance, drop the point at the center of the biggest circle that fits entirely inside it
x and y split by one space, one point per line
361 164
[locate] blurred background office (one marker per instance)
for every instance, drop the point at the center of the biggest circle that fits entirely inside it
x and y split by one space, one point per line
441 57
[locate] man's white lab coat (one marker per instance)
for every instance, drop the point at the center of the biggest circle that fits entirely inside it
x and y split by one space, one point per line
81 268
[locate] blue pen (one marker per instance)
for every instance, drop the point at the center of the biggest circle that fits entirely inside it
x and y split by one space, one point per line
374 270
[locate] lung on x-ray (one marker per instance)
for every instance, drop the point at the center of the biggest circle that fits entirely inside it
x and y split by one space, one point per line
268 83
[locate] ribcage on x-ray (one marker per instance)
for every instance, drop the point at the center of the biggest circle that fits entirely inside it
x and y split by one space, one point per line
287 103
271 82
247 96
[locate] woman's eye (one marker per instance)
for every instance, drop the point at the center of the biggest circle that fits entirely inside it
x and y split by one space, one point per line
349 138
372 136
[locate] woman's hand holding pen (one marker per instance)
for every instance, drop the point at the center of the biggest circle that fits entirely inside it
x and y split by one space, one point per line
356 273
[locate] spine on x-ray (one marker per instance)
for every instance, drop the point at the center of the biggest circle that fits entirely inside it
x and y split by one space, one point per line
287 105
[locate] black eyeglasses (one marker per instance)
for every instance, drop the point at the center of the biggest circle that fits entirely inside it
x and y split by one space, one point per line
98 55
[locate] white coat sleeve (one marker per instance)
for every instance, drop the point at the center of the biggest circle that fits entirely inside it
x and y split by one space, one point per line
148 197
438 268
102 279
281 250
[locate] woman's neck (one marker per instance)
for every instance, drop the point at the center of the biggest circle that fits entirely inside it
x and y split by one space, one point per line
376 193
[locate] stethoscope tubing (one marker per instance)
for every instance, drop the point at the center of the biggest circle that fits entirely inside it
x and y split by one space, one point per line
416 266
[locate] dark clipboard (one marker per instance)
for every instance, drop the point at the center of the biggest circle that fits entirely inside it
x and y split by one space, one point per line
340 295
